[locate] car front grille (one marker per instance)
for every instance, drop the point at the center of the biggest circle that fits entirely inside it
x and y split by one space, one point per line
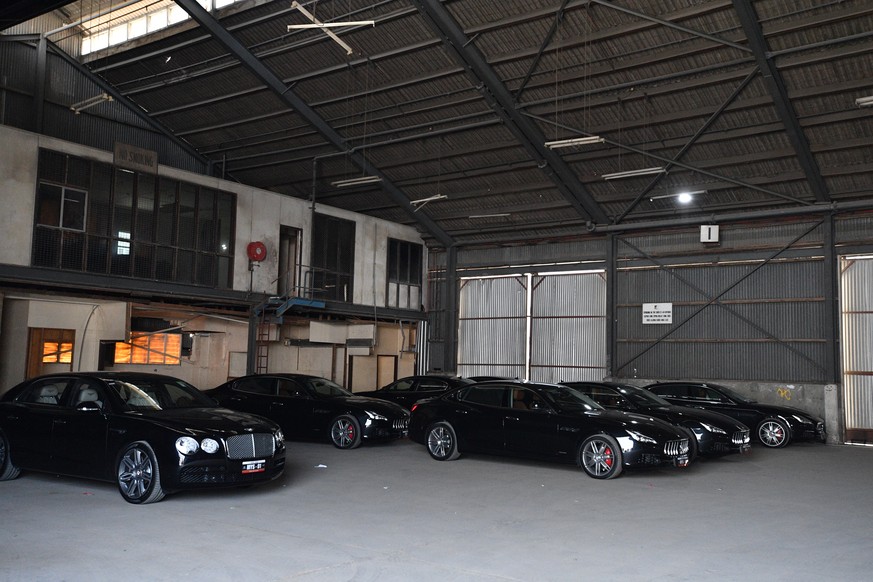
741 437
249 446
676 448
401 423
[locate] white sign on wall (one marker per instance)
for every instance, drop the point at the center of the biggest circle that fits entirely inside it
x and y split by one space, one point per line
657 313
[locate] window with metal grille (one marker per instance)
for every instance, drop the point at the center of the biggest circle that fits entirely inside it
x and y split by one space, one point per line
150 348
101 219
57 346
333 258
404 274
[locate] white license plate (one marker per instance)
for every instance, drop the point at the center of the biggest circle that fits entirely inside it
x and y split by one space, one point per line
254 466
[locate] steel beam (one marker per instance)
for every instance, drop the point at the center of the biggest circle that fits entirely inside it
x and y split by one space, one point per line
501 101
292 100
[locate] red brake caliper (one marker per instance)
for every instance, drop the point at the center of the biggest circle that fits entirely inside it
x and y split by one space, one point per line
607 453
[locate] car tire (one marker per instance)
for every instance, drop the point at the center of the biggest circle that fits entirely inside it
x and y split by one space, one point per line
442 442
7 469
773 433
138 475
345 432
600 456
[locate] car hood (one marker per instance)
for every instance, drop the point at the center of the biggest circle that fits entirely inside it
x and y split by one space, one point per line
639 422
678 414
222 421
377 405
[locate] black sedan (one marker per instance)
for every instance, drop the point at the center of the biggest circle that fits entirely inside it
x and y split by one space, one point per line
150 434
713 433
406 391
774 426
310 407
544 421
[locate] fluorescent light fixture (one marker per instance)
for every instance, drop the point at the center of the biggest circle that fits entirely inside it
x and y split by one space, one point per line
498 215
575 141
684 197
333 24
864 101
634 173
356 181
96 100
316 23
424 201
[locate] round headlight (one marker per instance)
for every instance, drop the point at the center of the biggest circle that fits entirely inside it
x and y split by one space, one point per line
186 445
280 437
209 445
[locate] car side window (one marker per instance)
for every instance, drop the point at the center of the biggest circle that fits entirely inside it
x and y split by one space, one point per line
710 394
431 384
487 395
256 385
605 397
524 399
46 391
676 391
87 391
291 389
404 385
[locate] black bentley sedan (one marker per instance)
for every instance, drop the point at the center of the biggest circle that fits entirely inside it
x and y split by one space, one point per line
310 407
406 391
713 433
545 421
774 426
150 434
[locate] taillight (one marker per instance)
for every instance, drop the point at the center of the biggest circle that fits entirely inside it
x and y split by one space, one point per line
414 406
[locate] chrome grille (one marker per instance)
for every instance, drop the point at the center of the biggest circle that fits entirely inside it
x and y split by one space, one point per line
741 437
249 446
676 448
401 423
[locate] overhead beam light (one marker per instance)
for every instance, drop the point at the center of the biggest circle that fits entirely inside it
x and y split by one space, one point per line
96 100
316 23
864 101
498 215
634 173
574 141
683 197
356 181
424 201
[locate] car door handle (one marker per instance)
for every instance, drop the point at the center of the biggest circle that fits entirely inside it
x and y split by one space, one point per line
59 421
515 418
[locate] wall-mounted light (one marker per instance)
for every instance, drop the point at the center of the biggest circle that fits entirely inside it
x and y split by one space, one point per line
864 101
634 173
575 141
356 181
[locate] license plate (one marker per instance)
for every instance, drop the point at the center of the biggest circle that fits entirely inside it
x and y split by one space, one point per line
254 466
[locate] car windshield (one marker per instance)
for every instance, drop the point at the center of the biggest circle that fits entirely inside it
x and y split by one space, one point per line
569 399
641 397
324 388
143 394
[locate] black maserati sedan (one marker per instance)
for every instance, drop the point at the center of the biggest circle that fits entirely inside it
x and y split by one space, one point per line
713 433
543 421
148 433
310 407
406 391
774 426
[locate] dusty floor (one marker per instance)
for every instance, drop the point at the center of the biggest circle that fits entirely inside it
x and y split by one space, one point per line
389 512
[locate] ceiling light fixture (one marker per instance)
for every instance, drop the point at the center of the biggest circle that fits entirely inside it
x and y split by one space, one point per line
575 141
424 201
498 215
96 100
316 23
864 101
634 173
356 181
683 197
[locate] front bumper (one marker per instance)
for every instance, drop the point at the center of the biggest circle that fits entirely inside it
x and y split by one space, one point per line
227 472
386 429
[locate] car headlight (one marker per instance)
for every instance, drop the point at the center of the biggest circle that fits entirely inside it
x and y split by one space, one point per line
280 437
801 420
711 428
209 445
638 436
375 416
186 445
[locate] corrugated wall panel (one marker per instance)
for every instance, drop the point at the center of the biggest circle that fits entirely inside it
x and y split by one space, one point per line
491 327
857 331
568 327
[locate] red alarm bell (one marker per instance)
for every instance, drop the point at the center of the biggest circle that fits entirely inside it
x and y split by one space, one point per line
257 251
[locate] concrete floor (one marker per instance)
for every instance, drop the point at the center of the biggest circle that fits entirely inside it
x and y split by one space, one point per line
388 512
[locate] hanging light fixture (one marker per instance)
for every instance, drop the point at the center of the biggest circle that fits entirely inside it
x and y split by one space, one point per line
575 141
356 181
634 173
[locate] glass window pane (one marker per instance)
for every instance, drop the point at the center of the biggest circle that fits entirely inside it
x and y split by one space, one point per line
123 201
100 201
98 254
74 209
145 208
187 207
226 203
48 205
206 220
167 203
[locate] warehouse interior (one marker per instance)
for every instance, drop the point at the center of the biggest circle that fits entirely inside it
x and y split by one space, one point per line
551 190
